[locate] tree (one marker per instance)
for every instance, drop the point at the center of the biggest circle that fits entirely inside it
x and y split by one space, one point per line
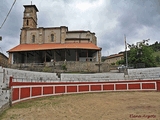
120 62
141 55
155 46
158 59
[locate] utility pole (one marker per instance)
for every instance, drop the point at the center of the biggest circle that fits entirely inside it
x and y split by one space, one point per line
126 50
126 68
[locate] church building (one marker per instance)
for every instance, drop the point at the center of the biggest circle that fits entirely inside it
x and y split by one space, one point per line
40 44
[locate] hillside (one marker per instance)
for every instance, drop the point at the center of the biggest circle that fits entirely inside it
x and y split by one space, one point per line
156 53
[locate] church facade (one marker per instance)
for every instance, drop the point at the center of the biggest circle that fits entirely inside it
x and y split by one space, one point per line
39 44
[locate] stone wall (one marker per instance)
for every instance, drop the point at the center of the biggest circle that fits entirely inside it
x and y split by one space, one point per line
4 91
3 60
86 67
64 66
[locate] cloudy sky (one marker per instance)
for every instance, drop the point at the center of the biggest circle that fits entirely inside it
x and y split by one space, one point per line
109 19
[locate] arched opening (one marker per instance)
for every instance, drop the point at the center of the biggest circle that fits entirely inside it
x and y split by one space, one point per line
33 38
52 37
27 22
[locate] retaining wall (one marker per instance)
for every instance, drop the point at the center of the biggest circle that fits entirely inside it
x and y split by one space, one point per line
71 66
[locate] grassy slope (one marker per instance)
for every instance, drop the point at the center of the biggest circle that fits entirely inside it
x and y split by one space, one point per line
156 53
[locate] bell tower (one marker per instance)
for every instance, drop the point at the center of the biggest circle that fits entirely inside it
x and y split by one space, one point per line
30 16
29 21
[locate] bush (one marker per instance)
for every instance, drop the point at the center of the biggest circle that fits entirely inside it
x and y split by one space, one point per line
47 69
64 67
112 63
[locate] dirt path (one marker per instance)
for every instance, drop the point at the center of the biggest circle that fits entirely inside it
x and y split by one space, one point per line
94 106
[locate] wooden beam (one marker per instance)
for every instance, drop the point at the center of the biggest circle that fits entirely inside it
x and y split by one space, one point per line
68 52
49 52
58 52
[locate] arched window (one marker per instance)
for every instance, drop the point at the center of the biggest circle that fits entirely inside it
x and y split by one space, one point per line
27 22
52 37
33 38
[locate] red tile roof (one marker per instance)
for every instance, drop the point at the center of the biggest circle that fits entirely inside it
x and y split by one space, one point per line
115 55
52 46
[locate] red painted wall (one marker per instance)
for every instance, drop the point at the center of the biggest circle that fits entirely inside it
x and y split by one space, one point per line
148 86
83 88
15 94
24 93
108 87
158 85
62 88
95 87
36 91
121 86
47 90
71 88
134 86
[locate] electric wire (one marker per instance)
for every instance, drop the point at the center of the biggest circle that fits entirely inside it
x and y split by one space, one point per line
8 14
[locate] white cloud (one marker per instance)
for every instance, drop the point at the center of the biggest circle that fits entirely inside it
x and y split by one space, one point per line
87 5
109 19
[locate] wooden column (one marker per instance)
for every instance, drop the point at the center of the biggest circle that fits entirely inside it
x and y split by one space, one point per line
87 55
54 55
45 56
26 57
65 54
76 56
34 56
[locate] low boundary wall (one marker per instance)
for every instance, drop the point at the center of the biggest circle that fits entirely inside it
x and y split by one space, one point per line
4 107
28 90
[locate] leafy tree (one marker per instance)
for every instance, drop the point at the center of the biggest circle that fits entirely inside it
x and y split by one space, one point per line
158 59
141 55
155 46
120 62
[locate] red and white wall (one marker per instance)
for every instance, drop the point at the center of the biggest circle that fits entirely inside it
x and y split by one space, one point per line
28 90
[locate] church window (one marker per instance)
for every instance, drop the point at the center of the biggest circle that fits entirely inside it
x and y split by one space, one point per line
27 22
52 37
33 38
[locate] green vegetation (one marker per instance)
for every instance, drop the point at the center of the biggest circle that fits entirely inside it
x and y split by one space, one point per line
64 67
112 63
103 58
157 57
47 69
120 62
147 56
155 46
143 55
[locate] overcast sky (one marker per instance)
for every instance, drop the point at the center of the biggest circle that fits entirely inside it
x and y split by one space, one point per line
109 19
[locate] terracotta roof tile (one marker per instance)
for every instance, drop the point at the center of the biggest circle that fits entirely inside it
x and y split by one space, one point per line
115 55
52 46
